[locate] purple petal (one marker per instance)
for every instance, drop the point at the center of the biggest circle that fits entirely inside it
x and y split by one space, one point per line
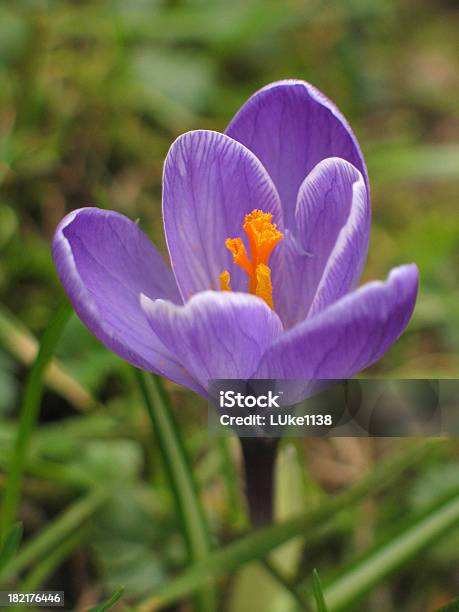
349 335
210 183
291 127
216 334
324 259
105 262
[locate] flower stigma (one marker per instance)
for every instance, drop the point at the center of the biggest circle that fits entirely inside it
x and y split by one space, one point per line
263 236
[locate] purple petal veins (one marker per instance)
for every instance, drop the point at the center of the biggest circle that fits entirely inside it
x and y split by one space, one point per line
104 262
291 127
323 255
216 334
349 335
288 152
210 183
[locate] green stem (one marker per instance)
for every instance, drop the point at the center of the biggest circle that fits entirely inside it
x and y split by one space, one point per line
29 414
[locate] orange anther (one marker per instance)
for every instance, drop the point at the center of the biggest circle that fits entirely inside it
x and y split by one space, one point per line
263 236
225 281
239 252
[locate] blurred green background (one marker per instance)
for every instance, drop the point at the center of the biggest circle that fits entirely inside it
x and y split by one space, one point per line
92 94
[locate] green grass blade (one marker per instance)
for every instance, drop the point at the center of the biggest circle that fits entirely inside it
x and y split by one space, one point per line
10 545
371 569
51 536
22 344
231 481
29 413
310 525
46 566
178 468
106 605
318 592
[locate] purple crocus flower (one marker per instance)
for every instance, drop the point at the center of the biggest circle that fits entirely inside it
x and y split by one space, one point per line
267 228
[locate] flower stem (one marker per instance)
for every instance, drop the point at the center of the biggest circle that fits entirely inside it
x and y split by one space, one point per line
259 461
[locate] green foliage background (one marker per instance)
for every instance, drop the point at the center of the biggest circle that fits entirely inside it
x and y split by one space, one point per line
92 94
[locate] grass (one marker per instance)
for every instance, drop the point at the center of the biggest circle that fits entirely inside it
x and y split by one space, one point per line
103 487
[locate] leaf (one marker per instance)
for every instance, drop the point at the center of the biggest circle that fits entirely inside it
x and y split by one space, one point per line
47 566
258 589
417 533
189 509
133 564
127 538
310 525
10 545
230 479
110 461
21 343
106 605
254 587
318 592
29 412
294 492
62 527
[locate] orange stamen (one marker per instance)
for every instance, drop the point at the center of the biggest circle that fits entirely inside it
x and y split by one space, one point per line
225 281
263 236
264 287
237 248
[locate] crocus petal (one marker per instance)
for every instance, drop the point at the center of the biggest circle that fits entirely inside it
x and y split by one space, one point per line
210 183
216 334
105 262
324 259
349 335
291 127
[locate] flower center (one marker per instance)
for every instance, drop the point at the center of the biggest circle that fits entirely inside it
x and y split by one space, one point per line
263 236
